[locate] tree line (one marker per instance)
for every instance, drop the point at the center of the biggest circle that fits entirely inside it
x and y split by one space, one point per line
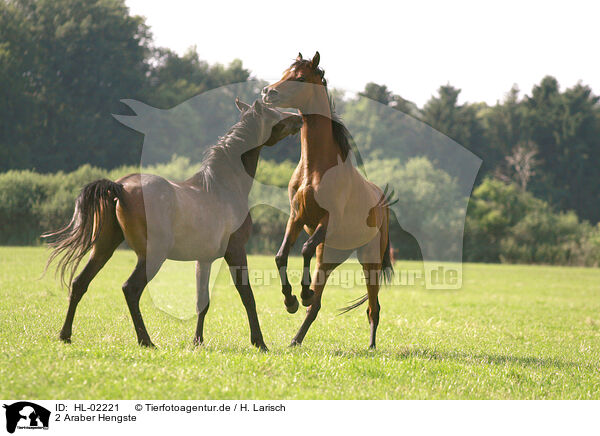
503 223
547 141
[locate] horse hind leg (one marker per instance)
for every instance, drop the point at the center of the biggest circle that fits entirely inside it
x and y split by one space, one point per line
145 270
372 274
322 273
373 316
108 240
370 257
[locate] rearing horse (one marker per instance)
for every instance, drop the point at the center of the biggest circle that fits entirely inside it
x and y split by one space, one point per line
329 198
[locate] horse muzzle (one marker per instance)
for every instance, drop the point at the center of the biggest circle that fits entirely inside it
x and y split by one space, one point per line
269 95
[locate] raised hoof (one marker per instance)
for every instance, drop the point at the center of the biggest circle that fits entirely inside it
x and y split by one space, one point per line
308 300
292 308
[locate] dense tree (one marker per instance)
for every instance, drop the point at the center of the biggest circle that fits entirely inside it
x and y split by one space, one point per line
381 94
378 93
566 129
74 60
504 130
462 123
17 99
174 79
65 66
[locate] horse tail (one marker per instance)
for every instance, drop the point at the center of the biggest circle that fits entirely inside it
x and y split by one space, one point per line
353 304
71 243
387 269
387 273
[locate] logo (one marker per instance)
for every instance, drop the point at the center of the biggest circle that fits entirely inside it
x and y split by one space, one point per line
26 415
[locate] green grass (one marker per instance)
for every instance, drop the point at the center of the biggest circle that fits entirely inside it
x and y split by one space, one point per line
512 332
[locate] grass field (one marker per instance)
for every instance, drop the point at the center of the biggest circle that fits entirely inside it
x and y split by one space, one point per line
512 332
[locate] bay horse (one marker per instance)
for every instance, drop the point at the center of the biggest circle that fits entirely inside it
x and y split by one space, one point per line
201 219
339 209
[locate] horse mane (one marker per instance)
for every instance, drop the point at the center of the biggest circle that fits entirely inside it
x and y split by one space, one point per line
224 157
341 135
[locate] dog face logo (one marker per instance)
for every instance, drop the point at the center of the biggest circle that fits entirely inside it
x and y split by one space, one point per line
26 415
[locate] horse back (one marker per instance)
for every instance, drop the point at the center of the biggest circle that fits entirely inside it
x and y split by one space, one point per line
145 211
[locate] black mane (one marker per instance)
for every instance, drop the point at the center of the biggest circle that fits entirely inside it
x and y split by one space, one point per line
222 159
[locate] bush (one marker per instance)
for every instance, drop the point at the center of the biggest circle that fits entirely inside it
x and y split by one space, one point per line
509 225
429 201
504 224
22 195
33 203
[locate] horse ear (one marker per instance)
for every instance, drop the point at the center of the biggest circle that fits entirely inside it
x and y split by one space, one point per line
299 57
315 60
243 107
258 107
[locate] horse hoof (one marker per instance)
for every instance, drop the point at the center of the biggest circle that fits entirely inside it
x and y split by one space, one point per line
260 345
65 340
295 343
147 344
292 308
308 301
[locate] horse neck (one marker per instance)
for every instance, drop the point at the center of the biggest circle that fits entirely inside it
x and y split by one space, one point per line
250 163
231 173
240 176
319 151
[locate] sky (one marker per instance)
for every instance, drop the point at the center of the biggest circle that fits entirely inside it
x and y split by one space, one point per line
412 47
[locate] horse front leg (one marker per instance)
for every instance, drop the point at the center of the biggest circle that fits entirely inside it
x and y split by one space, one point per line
238 267
145 270
202 298
292 231
322 271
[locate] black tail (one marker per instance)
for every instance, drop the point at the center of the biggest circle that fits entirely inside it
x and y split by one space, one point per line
71 243
387 269
387 274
